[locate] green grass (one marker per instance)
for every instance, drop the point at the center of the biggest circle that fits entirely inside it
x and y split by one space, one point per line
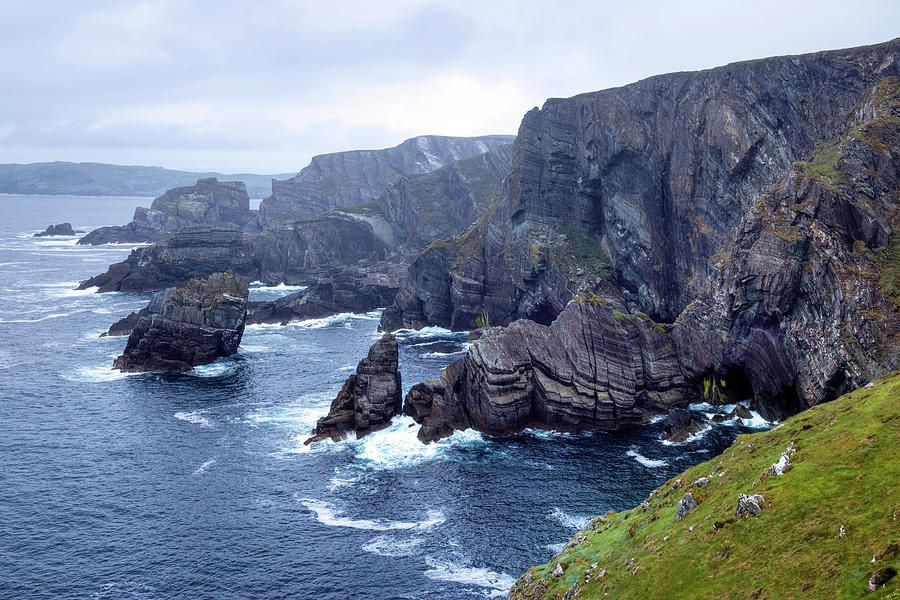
846 471
822 167
581 252
888 261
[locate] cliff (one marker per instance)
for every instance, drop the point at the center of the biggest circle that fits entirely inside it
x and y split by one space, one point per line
208 203
344 179
796 305
819 491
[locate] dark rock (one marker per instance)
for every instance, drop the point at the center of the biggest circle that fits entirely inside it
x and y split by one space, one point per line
61 229
343 179
741 412
588 370
681 424
881 577
208 203
198 323
127 324
685 505
369 398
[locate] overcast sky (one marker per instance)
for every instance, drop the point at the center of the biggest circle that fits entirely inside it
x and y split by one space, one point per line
263 86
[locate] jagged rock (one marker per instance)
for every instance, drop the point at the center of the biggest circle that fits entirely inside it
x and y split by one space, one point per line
558 570
685 505
749 505
61 229
369 398
784 462
126 325
198 323
343 179
700 483
208 203
681 424
588 370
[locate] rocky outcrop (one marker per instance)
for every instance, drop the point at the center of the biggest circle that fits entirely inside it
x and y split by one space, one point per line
345 179
61 229
126 325
198 323
174 261
680 425
798 304
369 398
653 177
593 368
208 203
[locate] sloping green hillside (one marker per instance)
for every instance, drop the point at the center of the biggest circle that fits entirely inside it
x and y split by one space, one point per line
823 520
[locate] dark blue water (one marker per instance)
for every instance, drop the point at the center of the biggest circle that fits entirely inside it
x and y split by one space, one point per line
199 485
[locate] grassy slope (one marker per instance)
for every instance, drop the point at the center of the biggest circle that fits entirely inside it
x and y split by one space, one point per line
846 471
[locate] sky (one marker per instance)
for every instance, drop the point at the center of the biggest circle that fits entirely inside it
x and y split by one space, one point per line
263 86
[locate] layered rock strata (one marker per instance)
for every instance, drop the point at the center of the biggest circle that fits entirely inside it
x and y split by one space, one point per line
369 398
198 323
208 203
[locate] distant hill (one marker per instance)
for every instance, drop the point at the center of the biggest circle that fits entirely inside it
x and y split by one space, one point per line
99 179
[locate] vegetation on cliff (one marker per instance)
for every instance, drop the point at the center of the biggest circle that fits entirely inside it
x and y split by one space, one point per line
828 526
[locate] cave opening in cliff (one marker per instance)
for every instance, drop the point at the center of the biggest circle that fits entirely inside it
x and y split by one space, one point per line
836 386
737 384
543 313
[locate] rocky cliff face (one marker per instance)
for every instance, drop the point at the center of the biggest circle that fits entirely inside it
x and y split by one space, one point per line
653 177
370 397
438 204
208 203
346 179
796 306
200 322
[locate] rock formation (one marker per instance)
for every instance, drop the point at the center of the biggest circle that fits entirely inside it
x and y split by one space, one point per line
61 229
126 325
663 199
198 323
208 203
369 398
680 425
345 179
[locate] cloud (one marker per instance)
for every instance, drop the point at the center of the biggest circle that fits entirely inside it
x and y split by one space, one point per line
230 85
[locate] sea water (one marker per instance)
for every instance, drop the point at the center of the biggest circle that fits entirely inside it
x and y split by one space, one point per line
199 485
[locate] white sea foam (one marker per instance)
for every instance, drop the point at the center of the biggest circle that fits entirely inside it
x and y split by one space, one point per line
429 334
555 548
497 584
196 417
44 318
100 374
74 292
443 354
202 468
259 286
573 521
214 369
252 348
647 462
397 446
385 545
327 514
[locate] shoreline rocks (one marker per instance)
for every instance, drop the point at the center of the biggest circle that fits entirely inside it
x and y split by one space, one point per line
197 323
60 229
369 398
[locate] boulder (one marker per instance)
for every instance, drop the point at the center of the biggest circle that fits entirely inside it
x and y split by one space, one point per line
681 424
749 505
685 505
369 398
198 323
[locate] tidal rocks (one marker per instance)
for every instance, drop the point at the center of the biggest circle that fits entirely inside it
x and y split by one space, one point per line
593 368
356 177
198 323
208 203
61 229
685 505
680 425
369 398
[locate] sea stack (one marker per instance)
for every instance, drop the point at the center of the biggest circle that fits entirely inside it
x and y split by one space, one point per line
369 398
199 322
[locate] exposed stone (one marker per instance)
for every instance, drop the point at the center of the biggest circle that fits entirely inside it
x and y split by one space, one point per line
208 203
685 505
700 483
61 229
369 398
126 325
749 505
198 323
558 570
680 425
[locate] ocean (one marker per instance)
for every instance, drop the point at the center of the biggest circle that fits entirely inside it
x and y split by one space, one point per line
199 486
